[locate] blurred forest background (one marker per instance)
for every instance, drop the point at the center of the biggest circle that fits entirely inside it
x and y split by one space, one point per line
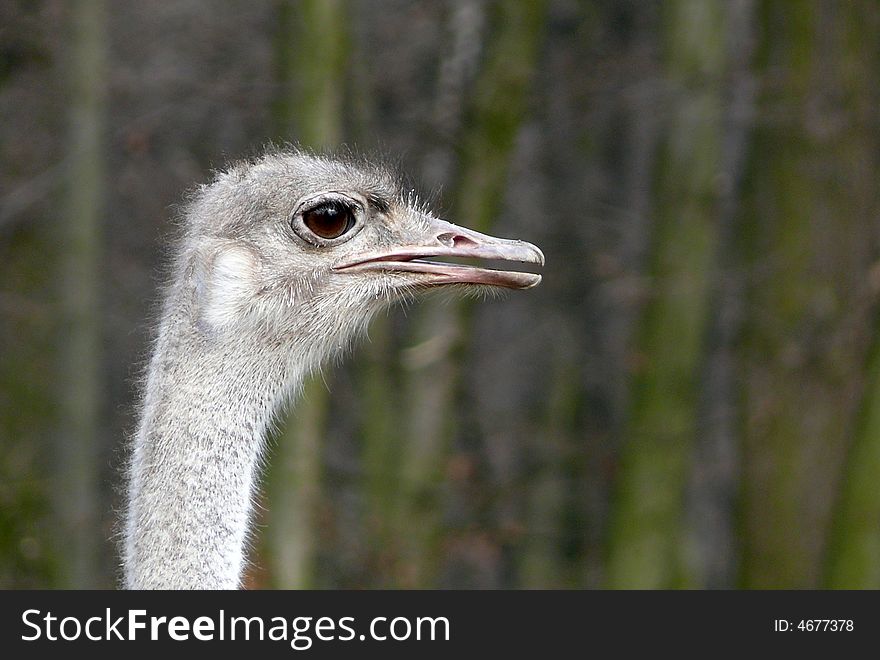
690 399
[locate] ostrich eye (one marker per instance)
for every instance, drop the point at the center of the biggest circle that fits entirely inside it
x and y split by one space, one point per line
330 219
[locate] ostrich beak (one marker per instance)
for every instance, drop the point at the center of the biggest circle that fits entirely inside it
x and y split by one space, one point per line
448 240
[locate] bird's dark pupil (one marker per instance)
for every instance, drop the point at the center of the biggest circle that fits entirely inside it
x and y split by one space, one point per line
330 220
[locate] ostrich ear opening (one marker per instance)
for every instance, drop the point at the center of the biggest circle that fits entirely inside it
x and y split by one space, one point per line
225 285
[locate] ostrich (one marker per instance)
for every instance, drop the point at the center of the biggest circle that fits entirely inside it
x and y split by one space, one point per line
282 262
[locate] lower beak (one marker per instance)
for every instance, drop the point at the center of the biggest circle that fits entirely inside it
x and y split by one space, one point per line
449 240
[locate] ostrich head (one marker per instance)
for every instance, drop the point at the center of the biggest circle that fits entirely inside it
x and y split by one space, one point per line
296 245
282 261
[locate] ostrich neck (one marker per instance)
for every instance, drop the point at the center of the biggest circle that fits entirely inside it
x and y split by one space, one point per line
196 456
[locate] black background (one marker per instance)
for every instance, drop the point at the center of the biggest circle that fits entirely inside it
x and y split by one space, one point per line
562 623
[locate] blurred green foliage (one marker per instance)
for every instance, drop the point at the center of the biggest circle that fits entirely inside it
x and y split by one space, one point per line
691 397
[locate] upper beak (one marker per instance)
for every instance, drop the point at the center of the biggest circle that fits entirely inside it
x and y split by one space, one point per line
449 240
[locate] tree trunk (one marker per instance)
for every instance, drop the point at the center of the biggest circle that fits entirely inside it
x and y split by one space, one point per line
809 203
711 546
647 516
496 111
854 551
80 429
853 560
310 52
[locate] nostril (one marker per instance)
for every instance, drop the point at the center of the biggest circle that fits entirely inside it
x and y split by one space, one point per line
456 241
